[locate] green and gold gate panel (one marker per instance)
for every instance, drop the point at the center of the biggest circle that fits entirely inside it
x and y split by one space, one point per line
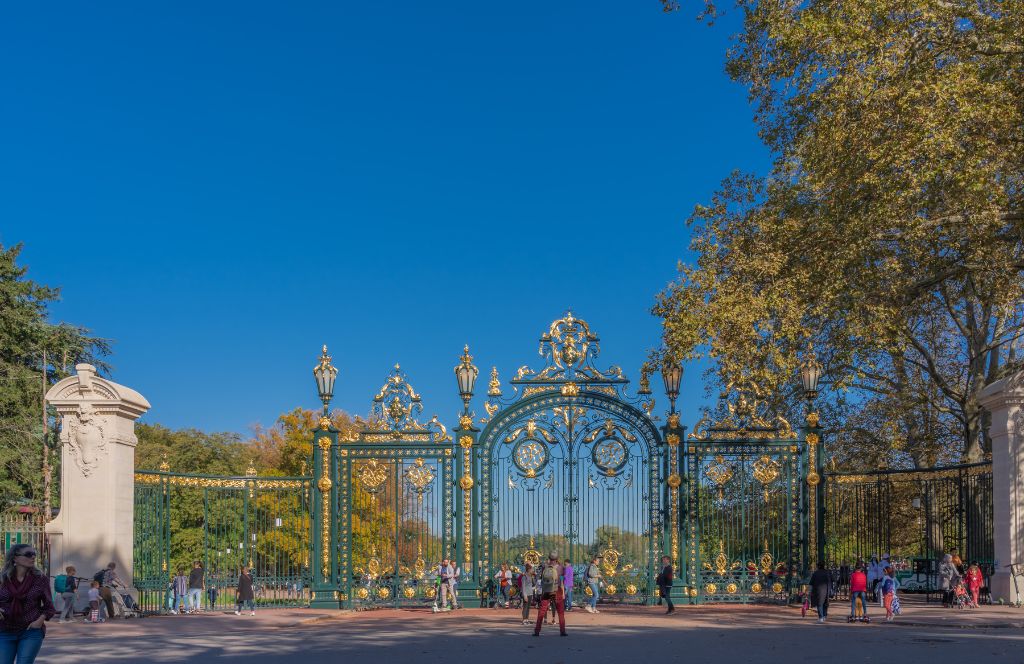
745 530
571 463
393 519
226 523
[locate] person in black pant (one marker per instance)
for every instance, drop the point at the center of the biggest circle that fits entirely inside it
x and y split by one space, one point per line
664 581
820 583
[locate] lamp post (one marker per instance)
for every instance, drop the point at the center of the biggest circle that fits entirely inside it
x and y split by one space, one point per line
325 373
672 376
810 373
326 588
465 374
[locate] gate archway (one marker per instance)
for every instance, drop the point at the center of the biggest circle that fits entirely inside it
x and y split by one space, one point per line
572 463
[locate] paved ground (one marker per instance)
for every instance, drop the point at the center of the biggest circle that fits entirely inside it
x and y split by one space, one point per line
726 634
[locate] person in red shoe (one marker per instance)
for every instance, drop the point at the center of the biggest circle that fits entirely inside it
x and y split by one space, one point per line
552 589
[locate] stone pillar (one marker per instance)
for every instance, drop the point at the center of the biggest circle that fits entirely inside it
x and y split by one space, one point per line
1004 400
96 523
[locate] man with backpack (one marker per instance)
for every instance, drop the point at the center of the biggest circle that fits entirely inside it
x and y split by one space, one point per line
552 590
67 586
107 578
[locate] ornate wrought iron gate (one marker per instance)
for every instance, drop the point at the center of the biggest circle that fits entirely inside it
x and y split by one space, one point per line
744 508
392 519
571 464
225 523
568 462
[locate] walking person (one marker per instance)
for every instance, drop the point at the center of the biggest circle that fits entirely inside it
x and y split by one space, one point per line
195 588
108 580
67 585
25 605
948 579
244 595
551 591
504 579
592 577
859 590
821 582
179 586
664 582
568 578
527 590
889 598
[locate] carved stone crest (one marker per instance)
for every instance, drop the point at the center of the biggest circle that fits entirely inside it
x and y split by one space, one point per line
84 434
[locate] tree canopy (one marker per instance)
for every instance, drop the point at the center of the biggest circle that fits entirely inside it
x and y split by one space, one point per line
25 335
889 232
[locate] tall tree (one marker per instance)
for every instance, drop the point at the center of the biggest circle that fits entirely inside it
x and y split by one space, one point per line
30 345
890 229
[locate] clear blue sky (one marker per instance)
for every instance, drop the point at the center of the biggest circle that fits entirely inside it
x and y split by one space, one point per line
220 188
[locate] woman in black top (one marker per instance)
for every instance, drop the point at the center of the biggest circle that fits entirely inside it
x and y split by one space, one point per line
665 583
820 583
244 593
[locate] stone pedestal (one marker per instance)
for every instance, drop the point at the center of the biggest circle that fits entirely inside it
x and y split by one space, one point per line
1004 400
95 525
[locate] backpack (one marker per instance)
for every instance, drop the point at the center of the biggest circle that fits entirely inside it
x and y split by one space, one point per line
98 576
549 579
60 584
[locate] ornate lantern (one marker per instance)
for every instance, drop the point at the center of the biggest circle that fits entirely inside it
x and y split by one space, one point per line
810 372
672 375
465 374
325 373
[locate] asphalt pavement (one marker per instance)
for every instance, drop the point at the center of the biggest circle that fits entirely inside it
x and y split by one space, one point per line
486 636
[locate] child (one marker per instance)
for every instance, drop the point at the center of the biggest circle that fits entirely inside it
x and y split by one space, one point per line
94 602
974 582
180 584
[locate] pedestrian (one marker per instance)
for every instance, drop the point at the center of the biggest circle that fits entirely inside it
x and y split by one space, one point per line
664 582
879 595
67 585
180 588
948 579
820 584
212 592
195 587
527 590
244 595
888 587
568 579
445 572
504 579
859 590
874 573
456 575
25 605
551 590
592 576
108 579
975 580
94 602
958 563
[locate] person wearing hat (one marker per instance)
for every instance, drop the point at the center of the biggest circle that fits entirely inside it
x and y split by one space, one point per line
552 589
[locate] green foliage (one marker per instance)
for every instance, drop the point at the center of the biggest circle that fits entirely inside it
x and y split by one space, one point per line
25 334
890 230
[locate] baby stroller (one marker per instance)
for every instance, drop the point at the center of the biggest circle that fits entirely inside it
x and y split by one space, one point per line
124 603
962 598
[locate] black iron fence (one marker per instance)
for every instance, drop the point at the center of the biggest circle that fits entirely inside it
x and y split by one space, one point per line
913 517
